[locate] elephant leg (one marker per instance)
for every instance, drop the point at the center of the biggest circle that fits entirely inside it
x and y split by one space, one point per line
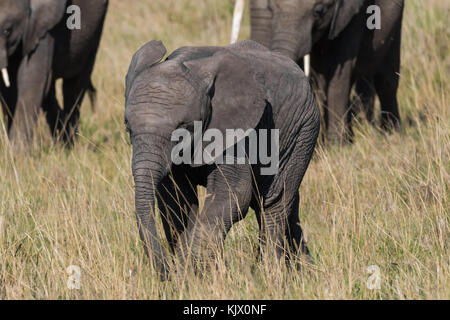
73 91
273 225
339 129
53 112
33 83
366 93
257 205
177 202
386 84
294 233
280 230
280 218
229 191
274 232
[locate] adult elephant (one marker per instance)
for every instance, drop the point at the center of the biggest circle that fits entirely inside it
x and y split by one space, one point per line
216 89
344 51
39 46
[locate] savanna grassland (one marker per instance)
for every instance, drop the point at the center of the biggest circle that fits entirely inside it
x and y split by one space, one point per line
383 201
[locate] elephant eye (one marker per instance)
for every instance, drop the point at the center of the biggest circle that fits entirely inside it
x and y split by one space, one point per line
319 10
7 32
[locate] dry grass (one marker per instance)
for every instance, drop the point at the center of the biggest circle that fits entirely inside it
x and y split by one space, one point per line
383 201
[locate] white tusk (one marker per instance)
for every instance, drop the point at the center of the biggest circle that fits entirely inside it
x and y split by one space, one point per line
5 77
237 18
307 64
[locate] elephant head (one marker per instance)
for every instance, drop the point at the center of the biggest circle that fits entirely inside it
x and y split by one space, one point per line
298 24
214 88
22 24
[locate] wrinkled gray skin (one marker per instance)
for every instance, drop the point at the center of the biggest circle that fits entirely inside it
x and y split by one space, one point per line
242 86
343 52
37 48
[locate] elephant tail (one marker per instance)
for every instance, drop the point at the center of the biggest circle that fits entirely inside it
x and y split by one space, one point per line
92 93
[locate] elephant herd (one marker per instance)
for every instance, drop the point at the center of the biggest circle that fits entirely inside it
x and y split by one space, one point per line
36 49
252 86
345 49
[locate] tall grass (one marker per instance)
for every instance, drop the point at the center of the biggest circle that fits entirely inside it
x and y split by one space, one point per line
383 201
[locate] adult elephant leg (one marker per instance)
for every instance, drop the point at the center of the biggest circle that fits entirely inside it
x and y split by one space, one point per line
386 84
387 92
73 91
341 78
53 112
229 191
33 83
365 90
338 111
177 202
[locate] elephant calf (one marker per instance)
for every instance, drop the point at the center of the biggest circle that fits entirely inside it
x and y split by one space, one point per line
204 90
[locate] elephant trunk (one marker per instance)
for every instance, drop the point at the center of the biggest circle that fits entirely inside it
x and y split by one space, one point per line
261 25
292 37
286 45
148 170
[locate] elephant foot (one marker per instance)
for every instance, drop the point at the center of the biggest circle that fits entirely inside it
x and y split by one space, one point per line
20 145
199 258
304 259
390 123
160 266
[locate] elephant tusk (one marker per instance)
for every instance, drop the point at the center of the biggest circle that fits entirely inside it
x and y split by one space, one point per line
237 18
5 77
307 64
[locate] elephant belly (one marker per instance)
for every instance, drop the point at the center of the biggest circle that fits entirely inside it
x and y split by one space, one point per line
69 64
373 56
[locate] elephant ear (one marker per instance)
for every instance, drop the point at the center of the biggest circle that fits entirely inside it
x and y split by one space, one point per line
44 16
344 12
236 90
147 56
